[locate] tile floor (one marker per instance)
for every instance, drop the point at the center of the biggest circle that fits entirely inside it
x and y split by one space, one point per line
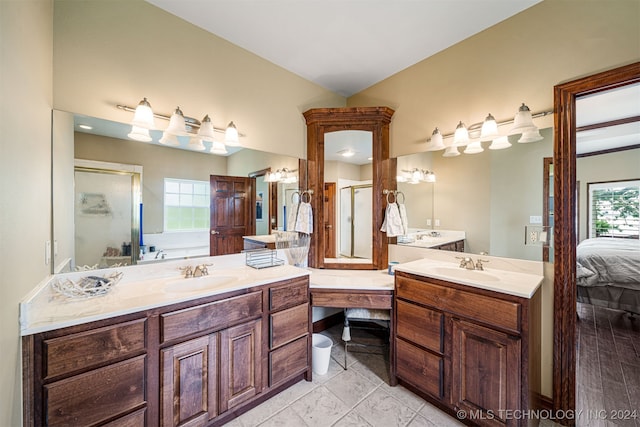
359 396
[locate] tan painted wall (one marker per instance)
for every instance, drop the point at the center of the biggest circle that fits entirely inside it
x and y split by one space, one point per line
25 170
517 60
110 52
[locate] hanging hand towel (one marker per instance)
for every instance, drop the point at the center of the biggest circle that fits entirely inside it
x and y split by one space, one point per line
403 218
392 224
292 215
304 220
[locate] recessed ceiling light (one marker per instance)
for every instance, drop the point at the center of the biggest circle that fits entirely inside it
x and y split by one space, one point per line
347 153
87 127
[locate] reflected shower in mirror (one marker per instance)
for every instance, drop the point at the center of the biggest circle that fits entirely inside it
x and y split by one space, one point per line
348 198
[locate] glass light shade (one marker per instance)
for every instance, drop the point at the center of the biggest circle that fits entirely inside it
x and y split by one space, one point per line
401 178
489 129
267 177
169 139
500 143
143 117
177 124
139 134
522 122
218 147
206 129
231 135
530 136
430 177
436 143
196 143
461 136
474 148
451 151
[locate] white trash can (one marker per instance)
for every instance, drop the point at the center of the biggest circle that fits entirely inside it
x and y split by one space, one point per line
320 353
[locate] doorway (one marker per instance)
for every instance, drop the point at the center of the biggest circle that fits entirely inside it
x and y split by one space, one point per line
565 232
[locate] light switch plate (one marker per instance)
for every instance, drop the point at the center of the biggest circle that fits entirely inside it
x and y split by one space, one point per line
535 219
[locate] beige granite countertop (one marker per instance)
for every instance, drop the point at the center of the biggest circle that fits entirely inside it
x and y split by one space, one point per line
143 287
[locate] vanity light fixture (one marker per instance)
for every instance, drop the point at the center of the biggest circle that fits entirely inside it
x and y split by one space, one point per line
488 131
436 142
218 147
283 175
231 135
415 176
180 125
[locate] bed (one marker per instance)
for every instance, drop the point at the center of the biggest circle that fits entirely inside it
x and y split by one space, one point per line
608 273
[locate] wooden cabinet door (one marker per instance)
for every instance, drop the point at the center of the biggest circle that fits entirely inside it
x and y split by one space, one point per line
485 373
189 382
240 364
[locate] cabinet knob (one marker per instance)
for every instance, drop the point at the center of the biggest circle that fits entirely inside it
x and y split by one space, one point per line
215 232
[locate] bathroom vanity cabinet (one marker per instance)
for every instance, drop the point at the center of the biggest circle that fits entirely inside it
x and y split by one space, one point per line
199 362
467 349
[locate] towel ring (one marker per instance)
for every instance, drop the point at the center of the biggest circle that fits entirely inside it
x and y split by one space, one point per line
302 196
395 197
399 193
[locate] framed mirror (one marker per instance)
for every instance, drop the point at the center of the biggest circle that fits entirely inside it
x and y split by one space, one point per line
345 235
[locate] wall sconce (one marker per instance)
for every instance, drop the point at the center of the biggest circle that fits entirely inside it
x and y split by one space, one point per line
283 175
416 176
488 131
180 125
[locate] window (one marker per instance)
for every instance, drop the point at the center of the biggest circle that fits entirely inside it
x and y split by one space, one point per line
186 205
614 209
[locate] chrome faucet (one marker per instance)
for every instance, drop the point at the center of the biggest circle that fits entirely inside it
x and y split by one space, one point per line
159 253
466 262
201 270
479 265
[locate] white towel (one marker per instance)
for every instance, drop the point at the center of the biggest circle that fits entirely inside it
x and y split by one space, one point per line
392 224
304 219
403 218
292 214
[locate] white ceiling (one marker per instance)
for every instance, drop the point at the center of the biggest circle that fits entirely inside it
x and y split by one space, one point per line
344 45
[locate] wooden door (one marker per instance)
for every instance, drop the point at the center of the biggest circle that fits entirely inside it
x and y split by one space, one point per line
241 364
329 207
189 382
485 373
232 199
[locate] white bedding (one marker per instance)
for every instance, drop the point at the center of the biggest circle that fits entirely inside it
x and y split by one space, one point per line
608 262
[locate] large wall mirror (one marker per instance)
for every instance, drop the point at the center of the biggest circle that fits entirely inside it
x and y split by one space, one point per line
102 177
348 167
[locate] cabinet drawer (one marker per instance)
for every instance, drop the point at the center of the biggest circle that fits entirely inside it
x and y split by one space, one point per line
218 315
135 419
77 352
489 310
288 295
288 361
98 395
420 325
420 368
287 325
341 299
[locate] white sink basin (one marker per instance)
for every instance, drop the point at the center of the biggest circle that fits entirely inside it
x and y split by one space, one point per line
198 283
464 274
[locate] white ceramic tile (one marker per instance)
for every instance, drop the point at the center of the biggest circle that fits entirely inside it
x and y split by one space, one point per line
350 387
405 396
320 408
285 418
381 409
437 417
352 419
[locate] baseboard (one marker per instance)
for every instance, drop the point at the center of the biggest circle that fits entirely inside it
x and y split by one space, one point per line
327 322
